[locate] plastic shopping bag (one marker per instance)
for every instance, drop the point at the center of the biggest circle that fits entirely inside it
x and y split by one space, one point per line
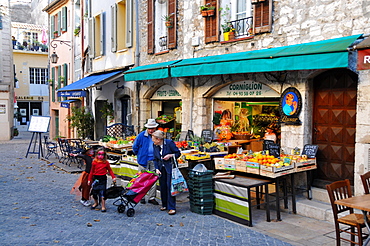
178 183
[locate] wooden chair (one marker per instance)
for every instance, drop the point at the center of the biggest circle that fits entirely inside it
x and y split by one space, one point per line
352 222
365 178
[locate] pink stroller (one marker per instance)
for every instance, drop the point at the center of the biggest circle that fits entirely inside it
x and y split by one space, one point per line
135 190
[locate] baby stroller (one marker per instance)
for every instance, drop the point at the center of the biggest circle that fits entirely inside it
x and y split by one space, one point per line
135 190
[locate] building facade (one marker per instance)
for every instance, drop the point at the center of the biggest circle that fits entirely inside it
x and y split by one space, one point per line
6 74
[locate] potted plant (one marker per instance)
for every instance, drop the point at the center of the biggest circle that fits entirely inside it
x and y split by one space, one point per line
207 10
55 34
77 30
44 48
211 11
168 20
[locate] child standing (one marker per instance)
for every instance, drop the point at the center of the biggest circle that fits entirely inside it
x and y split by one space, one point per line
98 178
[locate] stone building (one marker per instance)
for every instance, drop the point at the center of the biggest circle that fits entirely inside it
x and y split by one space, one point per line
307 46
6 74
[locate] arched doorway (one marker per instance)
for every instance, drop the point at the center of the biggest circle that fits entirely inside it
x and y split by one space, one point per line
334 124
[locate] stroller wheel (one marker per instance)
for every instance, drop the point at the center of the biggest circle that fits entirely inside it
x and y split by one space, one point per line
130 212
121 208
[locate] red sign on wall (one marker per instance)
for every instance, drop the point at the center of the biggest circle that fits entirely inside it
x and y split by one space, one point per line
363 60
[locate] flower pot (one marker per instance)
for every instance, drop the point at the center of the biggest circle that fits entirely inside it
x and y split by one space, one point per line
169 24
204 13
231 35
226 36
210 12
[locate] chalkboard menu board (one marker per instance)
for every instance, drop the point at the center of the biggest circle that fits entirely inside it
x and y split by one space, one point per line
310 150
189 135
273 148
39 124
207 135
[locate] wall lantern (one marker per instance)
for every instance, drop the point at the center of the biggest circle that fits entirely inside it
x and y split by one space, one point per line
54 58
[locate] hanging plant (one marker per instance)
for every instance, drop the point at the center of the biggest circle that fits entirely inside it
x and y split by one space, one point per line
168 20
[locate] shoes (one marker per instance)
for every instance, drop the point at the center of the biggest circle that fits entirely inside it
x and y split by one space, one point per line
104 210
163 209
142 201
153 201
172 212
93 207
85 203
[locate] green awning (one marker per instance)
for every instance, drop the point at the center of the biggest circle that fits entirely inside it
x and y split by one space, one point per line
324 54
152 71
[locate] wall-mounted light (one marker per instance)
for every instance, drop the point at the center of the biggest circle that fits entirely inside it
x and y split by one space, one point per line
98 88
54 58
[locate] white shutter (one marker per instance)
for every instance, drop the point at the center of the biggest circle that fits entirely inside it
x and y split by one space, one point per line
114 28
91 37
129 23
102 33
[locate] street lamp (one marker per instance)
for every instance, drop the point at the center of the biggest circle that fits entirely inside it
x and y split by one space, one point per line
54 58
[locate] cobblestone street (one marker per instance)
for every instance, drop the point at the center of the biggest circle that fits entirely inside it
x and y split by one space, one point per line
38 209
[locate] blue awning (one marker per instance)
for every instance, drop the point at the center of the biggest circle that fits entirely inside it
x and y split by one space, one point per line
76 89
65 103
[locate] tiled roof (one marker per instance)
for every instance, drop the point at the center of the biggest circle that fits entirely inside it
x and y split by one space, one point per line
28 26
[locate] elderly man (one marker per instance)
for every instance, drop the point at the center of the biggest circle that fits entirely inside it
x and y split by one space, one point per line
143 148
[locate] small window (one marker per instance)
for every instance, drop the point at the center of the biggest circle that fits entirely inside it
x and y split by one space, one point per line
38 76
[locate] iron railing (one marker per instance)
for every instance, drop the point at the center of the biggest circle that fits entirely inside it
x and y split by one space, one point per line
243 27
162 43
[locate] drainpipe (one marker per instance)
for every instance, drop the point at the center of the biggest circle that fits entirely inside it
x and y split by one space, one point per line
137 62
191 103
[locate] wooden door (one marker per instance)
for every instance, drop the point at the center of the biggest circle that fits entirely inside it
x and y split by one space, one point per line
334 124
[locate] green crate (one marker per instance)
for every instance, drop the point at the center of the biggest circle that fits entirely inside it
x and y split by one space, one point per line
200 176
201 209
201 196
201 189
202 202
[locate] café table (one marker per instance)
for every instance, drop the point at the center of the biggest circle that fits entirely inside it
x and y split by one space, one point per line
362 203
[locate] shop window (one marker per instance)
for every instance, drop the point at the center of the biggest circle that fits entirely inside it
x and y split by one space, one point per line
162 20
38 76
122 25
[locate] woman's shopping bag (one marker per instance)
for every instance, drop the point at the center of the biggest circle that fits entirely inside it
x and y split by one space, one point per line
141 183
178 183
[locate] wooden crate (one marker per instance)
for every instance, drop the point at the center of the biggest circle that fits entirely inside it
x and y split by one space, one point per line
240 166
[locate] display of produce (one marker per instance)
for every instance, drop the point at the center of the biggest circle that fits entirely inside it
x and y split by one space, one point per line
164 119
109 141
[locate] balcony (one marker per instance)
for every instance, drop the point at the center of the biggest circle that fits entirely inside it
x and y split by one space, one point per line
30 47
243 27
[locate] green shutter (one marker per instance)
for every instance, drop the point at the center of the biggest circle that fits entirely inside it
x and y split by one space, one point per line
53 84
64 19
59 80
52 26
65 75
59 22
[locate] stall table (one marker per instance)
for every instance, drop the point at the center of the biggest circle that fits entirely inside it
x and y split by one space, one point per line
234 201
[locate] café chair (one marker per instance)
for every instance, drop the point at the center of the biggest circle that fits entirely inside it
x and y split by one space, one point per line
50 147
345 220
365 178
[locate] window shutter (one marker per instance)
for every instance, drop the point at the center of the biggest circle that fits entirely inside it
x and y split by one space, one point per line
91 24
211 24
65 74
53 84
129 23
114 28
262 16
59 82
59 22
150 26
102 33
171 32
64 19
52 26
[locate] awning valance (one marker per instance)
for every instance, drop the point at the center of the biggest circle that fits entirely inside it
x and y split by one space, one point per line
152 71
324 54
76 89
65 103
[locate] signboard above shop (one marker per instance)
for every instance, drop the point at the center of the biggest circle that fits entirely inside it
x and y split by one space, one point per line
246 89
166 92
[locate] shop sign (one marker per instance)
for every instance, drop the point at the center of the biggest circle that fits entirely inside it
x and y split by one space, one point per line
29 98
363 60
166 92
71 93
290 106
64 105
246 89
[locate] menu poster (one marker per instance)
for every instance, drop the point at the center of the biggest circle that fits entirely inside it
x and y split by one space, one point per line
273 148
207 135
190 135
310 150
183 136
39 124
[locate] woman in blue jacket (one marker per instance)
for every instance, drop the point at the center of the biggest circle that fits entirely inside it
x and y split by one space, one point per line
164 151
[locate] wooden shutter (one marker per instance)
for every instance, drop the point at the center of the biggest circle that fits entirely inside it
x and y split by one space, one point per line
102 33
262 16
211 24
150 26
171 32
53 84
114 28
52 26
64 19
59 22
129 23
